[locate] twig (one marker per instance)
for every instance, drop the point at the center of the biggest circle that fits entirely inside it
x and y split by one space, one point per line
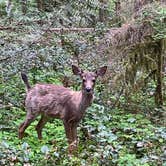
6 106
59 30
4 59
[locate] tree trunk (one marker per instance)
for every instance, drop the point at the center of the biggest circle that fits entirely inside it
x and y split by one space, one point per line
158 93
137 5
46 5
103 12
117 11
40 5
9 8
24 6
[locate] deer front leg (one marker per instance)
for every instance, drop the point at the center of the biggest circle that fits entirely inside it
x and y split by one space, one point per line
74 143
74 136
71 134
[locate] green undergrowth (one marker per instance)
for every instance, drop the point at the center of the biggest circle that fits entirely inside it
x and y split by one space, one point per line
133 134
106 137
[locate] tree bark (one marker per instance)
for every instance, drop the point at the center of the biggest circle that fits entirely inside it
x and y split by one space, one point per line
159 85
9 8
137 5
103 13
40 5
117 11
24 6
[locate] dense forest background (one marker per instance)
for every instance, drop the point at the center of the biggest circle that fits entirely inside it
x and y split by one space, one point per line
126 124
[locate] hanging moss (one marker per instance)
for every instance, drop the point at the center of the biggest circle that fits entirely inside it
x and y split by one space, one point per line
135 44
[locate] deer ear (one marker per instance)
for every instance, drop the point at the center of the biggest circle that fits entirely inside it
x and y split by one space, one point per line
76 70
101 71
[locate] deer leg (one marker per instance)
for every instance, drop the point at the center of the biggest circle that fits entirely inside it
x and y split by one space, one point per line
74 133
68 132
40 126
29 119
71 134
74 143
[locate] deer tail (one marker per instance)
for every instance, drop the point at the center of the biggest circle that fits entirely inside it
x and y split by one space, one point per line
25 79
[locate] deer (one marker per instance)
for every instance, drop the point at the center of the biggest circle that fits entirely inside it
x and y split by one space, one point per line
57 101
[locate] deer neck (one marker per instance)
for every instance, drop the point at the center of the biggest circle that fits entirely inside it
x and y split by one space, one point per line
86 101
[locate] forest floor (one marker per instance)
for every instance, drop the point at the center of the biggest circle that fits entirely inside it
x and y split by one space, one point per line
106 137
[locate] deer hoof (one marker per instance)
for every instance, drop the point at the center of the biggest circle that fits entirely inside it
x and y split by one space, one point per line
20 135
73 147
40 137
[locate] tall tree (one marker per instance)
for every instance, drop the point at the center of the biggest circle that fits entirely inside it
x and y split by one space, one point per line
117 11
103 10
24 6
40 5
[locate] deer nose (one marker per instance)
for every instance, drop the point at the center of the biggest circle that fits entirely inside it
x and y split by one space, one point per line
88 89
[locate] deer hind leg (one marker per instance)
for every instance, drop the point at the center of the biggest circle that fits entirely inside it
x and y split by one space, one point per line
29 119
40 126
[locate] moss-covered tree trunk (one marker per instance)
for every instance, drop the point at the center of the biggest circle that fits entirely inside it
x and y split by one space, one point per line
40 5
158 93
103 11
117 11
24 6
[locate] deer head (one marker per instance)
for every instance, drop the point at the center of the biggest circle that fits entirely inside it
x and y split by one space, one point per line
88 78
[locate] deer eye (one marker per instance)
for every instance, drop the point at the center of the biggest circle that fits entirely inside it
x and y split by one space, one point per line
93 80
84 79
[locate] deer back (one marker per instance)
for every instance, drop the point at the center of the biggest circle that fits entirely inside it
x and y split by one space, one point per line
55 101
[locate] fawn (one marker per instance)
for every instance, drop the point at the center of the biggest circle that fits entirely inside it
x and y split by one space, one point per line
56 101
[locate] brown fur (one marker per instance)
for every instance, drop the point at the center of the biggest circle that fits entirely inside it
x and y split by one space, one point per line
55 101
